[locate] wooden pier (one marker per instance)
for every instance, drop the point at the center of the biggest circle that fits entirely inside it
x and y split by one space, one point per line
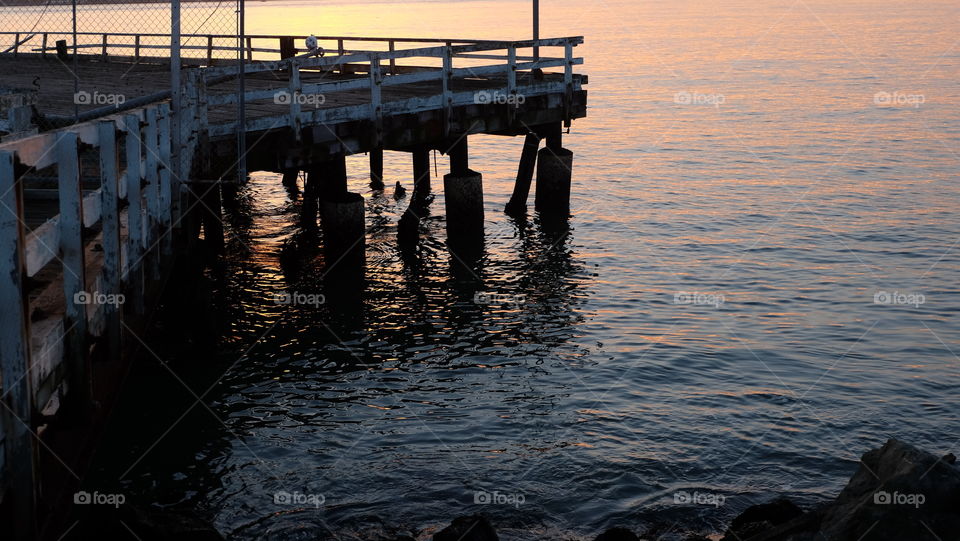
94 214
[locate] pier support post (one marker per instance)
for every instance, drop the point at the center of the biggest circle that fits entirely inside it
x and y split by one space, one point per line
421 176
212 216
376 169
463 197
334 175
528 161
344 234
554 172
311 191
290 177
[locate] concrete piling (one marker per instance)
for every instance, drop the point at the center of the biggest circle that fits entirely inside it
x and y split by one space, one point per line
554 172
344 234
463 196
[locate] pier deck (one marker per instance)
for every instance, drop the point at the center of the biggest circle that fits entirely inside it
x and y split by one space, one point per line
100 205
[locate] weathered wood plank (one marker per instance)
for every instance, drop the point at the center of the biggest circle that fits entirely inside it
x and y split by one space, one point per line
110 273
74 267
18 447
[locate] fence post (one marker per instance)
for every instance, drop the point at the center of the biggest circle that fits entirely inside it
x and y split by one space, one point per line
110 222
567 82
17 471
74 271
136 48
43 49
134 212
104 50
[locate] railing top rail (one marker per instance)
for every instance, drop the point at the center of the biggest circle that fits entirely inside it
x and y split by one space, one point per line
405 39
366 56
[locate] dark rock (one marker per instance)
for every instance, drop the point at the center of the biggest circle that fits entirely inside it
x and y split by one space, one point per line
760 518
617 534
472 528
899 492
949 458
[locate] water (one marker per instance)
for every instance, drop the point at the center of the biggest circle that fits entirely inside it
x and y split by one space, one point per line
783 194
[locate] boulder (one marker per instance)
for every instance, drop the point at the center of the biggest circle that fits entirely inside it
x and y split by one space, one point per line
471 528
899 492
760 518
617 534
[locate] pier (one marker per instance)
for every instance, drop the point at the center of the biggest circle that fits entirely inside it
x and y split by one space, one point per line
99 199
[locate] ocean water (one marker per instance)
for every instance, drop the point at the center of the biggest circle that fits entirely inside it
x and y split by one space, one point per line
759 284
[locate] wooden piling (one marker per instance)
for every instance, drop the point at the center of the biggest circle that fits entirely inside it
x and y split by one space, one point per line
376 169
554 172
421 176
521 189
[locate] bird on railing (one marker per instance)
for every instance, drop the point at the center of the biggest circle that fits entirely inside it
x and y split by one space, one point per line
313 46
399 191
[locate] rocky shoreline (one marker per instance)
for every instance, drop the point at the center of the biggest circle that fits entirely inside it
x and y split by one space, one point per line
899 493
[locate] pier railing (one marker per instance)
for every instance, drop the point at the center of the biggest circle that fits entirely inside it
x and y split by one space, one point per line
371 72
96 257
198 49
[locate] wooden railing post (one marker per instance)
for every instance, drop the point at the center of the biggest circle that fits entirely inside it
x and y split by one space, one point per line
134 211
166 188
136 48
447 92
393 61
151 159
74 271
568 82
294 89
43 48
16 44
110 226
209 50
104 50
376 99
17 471
340 51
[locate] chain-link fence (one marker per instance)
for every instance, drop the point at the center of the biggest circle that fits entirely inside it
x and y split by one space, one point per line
61 62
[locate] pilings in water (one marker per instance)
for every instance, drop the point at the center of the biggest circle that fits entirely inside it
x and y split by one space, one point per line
554 167
528 161
554 172
376 169
463 197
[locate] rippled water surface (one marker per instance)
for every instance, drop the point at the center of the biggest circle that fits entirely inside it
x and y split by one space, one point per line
783 194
